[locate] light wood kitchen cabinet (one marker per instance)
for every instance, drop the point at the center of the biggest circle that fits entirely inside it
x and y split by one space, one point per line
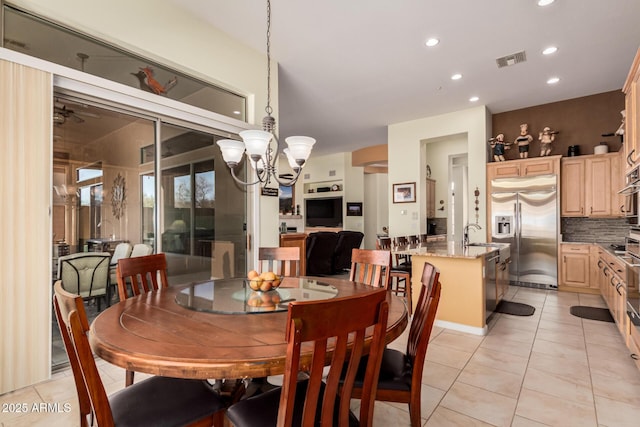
431 198
598 185
572 187
632 118
523 167
575 265
590 185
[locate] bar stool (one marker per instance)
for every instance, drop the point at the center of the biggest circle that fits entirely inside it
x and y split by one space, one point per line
399 274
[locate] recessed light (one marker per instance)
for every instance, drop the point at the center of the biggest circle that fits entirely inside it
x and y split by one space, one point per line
550 50
545 2
236 112
432 42
456 76
474 99
553 80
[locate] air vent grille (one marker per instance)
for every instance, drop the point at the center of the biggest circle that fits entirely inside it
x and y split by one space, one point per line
513 59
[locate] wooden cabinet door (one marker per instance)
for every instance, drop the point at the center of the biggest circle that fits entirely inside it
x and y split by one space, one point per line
632 110
541 166
503 169
598 186
431 198
572 188
618 201
594 269
575 265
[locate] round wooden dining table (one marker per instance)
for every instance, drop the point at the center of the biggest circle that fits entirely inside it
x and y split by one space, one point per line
210 330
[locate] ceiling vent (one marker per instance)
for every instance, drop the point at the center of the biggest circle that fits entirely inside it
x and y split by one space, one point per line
512 59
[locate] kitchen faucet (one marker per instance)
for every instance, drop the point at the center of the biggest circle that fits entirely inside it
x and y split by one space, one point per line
465 233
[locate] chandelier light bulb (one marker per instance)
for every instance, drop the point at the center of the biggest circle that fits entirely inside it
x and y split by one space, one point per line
231 151
300 147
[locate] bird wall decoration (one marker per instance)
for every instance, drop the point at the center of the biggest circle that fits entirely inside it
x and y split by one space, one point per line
150 84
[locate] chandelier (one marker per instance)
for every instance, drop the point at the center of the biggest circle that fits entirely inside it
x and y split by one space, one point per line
257 143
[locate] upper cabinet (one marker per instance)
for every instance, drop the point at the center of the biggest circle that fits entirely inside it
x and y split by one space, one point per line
632 117
590 185
523 167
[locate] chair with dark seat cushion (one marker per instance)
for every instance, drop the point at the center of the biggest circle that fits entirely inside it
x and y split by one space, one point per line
347 241
326 324
321 247
400 274
400 378
370 267
156 401
138 275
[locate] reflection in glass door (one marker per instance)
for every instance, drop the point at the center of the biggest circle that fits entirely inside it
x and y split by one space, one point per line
203 225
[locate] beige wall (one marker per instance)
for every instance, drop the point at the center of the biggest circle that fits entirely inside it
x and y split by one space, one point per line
407 162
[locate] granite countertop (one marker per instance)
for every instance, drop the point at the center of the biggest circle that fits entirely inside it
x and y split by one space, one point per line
450 250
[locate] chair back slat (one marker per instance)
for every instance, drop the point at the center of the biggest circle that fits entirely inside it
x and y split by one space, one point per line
143 274
74 327
330 324
423 318
371 267
283 261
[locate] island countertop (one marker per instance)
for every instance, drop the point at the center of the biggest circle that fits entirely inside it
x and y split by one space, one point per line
450 249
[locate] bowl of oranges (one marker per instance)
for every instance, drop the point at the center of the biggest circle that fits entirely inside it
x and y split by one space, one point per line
263 282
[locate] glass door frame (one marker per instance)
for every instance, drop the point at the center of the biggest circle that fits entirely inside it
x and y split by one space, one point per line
111 95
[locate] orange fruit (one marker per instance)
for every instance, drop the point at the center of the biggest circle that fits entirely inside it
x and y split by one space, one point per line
266 286
252 274
255 283
269 275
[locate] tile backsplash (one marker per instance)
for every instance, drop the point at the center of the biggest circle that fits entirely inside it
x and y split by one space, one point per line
594 230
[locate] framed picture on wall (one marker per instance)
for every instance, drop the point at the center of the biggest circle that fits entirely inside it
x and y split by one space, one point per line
354 209
404 193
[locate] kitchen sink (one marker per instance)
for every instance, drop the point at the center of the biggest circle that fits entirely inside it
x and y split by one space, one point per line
504 249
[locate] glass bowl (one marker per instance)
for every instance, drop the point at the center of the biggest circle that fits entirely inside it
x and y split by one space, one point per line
261 285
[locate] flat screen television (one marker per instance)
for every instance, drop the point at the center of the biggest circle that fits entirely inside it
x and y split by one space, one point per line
324 212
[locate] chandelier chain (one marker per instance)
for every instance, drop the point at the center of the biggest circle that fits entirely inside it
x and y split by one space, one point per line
268 108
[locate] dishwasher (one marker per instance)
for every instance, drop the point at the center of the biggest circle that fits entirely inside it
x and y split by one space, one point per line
490 283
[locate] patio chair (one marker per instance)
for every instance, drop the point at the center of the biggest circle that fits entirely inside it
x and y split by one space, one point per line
86 274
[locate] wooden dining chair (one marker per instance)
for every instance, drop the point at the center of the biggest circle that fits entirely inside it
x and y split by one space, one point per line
141 274
138 275
370 267
400 377
399 275
325 325
284 261
154 401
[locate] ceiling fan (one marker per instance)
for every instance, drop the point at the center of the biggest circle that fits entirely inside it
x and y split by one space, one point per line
61 113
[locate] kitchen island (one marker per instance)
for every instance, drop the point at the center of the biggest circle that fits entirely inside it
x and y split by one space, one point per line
466 280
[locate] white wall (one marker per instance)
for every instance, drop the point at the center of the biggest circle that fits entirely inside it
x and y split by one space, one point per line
375 207
407 162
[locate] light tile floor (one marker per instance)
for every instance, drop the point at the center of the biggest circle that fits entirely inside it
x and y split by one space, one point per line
549 369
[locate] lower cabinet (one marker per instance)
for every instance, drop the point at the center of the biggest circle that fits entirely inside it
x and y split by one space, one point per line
575 270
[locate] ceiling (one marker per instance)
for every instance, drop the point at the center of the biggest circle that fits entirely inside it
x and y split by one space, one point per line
347 69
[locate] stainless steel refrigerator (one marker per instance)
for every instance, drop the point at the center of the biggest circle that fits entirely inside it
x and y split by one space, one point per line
524 213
